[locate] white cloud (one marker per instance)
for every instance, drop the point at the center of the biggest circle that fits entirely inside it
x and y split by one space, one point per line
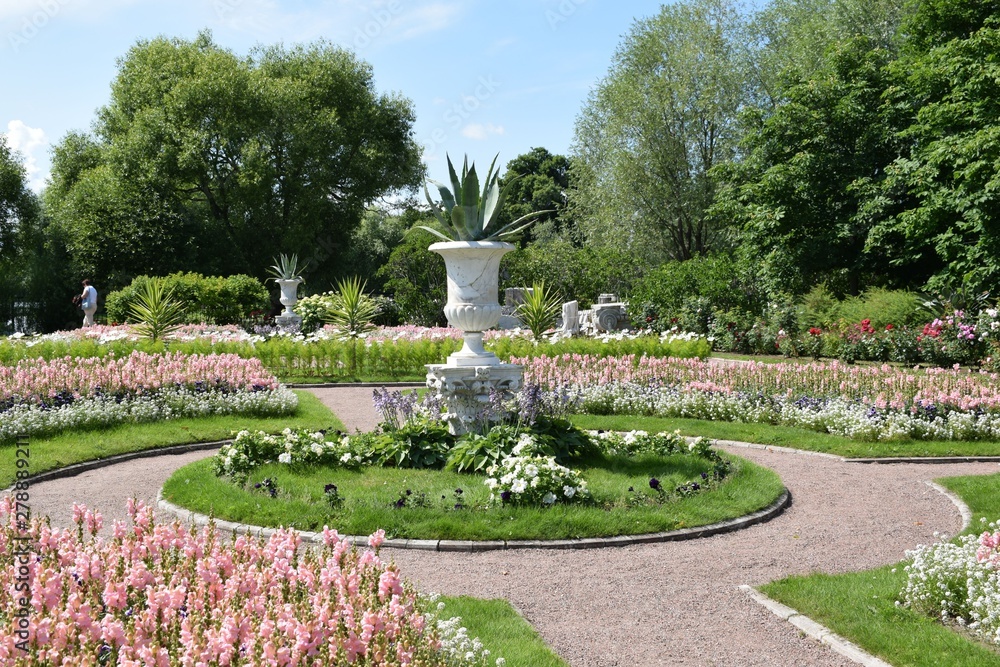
479 132
29 142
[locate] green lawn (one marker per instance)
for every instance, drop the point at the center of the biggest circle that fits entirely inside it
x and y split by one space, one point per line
430 513
78 446
784 436
861 606
503 631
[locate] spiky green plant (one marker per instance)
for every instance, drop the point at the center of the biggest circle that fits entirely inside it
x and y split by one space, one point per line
154 311
539 309
352 311
466 213
287 267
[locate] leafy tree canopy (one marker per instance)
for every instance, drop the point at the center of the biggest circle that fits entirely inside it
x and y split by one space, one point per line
206 160
651 131
542 185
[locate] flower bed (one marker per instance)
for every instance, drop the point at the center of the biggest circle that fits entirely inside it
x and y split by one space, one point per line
385 353
168 595
41 397
503 477
869 403
958 582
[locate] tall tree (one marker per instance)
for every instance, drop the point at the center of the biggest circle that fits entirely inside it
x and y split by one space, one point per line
939 205
654 127
793 39
33 289
220 162
798 198
542 184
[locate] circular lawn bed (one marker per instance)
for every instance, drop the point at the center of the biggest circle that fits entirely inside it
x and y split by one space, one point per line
630 495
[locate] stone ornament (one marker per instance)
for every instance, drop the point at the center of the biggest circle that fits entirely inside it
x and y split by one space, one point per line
473 269
465 390
289 297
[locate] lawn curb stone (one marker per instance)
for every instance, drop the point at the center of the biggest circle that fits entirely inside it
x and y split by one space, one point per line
86 466
776 448
478 546
814 630
963 509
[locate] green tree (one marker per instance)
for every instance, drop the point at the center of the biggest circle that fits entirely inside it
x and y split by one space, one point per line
939 206
415 277
373 241
204 159
798 198
793 39
542 185
654 127
25 274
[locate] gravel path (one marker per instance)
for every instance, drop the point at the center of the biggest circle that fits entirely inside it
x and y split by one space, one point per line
663 604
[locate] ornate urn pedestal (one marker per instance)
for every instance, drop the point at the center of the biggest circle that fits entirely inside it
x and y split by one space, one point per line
289 297
470 375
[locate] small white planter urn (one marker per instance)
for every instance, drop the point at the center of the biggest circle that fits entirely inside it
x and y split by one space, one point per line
473 269
289 297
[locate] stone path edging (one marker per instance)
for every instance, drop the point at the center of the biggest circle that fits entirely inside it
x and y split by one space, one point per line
75 469
813 629
929 459
963 509
776 448
472 546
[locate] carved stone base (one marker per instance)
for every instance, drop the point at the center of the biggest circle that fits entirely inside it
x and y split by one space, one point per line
465 390
285 321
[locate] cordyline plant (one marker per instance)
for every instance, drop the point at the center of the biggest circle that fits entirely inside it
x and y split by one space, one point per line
467 213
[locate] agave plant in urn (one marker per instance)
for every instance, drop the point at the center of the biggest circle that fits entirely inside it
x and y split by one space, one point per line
472 245
288 274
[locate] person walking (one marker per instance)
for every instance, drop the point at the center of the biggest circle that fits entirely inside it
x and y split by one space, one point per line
88 302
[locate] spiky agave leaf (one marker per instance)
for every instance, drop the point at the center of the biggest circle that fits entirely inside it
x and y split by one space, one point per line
465 212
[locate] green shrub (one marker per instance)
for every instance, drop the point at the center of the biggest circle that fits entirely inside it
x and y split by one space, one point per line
211 300
819 307
572 273
882 307
718 283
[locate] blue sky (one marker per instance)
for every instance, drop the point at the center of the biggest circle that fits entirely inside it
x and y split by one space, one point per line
485 77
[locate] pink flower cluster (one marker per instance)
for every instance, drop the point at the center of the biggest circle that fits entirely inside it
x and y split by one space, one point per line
880 386
989 549
169 596
35 380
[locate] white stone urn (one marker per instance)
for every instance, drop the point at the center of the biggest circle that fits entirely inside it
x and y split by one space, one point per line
473 269
289 297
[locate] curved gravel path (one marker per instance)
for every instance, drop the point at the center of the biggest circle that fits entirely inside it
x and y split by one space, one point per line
674 603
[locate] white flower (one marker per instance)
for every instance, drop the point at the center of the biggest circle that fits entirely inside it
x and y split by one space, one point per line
549 498
345 457
569 491
285 457
519 486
